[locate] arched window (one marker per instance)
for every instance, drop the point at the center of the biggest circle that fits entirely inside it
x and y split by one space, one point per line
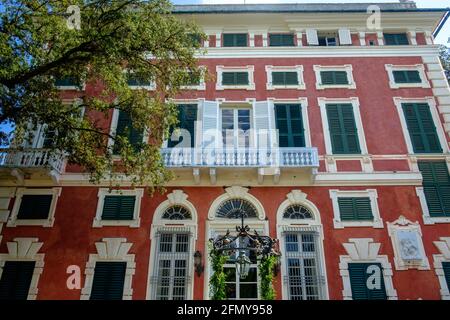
234 208
297 212
177 213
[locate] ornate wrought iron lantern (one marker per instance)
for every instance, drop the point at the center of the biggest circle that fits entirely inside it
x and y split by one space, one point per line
242 244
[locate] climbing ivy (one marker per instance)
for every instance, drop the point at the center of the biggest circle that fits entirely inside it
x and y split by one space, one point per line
217 281
266 274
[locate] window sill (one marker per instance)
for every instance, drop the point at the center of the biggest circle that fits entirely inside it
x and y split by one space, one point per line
335 86
277 87
47 223
376 224
135 223
235 87
435 220
394 85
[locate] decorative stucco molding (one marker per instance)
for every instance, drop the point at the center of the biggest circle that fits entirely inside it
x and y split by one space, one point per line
444 248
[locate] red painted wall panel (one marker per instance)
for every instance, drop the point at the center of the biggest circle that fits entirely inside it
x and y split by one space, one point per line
390 165
348 166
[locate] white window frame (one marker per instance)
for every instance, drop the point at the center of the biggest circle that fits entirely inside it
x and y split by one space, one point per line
427 219
369 193
444 248
151 87
251 80
235 144
176 197
14 221
347 68
390 68
365 250
297 197
113 129
354 101
103 192
25 249
110 250
434 114
298 68
202 84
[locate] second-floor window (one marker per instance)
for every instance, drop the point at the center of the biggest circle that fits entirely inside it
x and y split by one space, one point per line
234 40
184 134
343 130
407 76
235 78
284 78
125 129
109 280
396 39
235 125
421 128
281 40
334 78
291 132
436 187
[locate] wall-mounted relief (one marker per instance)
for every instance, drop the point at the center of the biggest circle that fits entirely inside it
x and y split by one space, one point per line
406 237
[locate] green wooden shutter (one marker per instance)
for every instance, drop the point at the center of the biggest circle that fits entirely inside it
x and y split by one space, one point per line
407 76
351 209
446 269
396 39
16 279
334 77
358 281
342 127
436 186
234 78
108 283
118 208
35 207
278 40
284 78
241 78
422 130
290 127
187 115
235 40
125 128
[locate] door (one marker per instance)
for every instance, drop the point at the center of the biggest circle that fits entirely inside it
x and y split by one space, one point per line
235 128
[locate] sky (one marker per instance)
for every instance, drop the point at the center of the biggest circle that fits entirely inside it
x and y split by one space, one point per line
443 37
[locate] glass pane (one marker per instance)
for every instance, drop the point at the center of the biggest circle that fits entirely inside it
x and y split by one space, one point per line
165 244
248 291
230 290
252 276
230 274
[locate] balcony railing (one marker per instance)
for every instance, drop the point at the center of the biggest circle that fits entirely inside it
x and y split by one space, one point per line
246 157
31 158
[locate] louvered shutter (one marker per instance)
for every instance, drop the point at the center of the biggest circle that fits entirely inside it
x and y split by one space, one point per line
334 77
241 40
405 76
395 39
118 208
291 78
228 40
264 127
327 77
210 124
187 116
436 185
351 209
345 37
284 78
15 280
125 128
291 132
342 127
228 78
241 78
446 269
278 78
108 283
421 128
311 37
35 207
358 280
340 77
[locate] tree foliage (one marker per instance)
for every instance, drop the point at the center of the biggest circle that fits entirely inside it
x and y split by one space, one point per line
445 59
37 47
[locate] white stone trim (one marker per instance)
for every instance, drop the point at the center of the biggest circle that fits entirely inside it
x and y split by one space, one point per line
419 260
249 69
427 219
444 248
354 101
13 221
365 250
347 68
6 194
110 250
370 193
298 197
434 114
305 117
390 68
236 192
103 192
298 68
25 249
176 197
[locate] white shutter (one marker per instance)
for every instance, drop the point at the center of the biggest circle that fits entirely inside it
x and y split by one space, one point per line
263 124
311 37
345 37
210 124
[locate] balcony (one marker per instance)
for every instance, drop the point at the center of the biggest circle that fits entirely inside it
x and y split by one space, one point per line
267 161
23 163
